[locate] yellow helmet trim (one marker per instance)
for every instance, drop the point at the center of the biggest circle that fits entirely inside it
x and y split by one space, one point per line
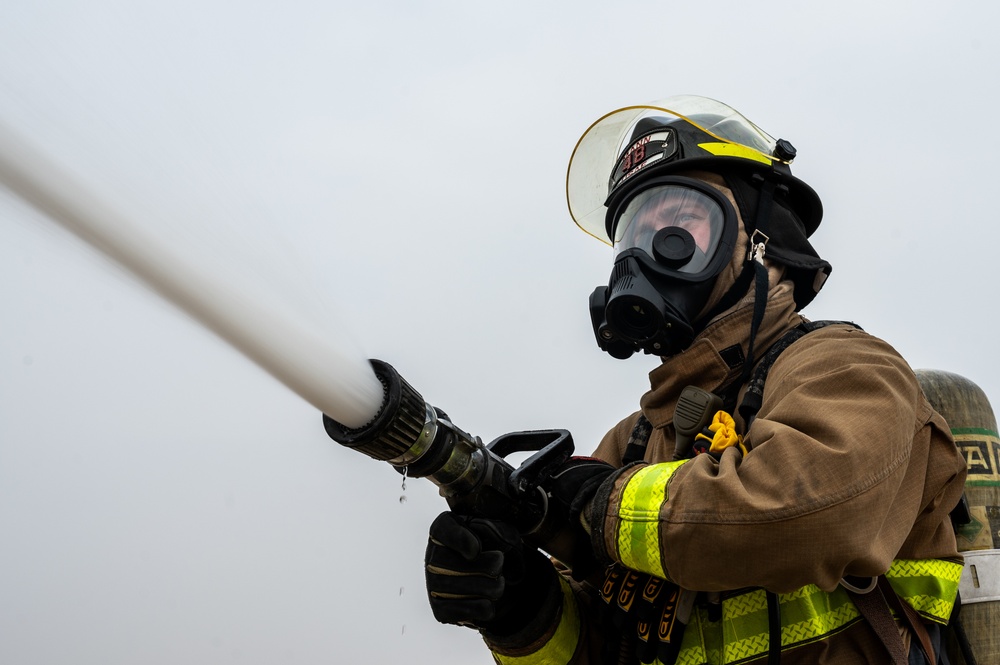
734 150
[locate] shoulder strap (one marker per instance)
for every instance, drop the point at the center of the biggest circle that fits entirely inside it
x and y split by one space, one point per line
876 606
752 400
636 448
754 396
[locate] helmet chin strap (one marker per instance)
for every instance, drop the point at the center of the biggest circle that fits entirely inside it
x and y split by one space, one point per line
761 286
753 270
758 245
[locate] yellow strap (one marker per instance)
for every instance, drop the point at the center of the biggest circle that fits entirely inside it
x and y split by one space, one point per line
561 647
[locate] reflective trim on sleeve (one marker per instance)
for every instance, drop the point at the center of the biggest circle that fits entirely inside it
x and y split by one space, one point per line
928 585
561 647
639 517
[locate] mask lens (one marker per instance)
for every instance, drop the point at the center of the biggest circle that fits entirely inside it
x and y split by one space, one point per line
671 206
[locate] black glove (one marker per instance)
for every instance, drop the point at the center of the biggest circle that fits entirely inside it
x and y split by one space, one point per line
575 482
481 574
571 488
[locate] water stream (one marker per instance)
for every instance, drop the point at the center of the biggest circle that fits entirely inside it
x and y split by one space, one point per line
258 323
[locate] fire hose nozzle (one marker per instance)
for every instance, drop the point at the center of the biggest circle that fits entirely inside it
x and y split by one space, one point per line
476 479
397 426
409 433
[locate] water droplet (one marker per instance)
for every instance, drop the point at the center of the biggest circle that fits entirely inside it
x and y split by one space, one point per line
402 498
401 590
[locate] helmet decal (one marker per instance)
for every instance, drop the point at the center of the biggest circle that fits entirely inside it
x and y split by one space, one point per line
647 150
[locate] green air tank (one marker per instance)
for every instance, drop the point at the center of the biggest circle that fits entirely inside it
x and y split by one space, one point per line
973 424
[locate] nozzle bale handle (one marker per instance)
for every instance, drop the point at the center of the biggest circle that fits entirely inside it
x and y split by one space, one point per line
397 425
551 448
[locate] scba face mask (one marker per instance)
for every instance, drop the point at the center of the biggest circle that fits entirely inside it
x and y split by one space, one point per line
672 237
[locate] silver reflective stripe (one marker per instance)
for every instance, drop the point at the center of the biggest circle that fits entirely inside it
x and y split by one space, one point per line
980 581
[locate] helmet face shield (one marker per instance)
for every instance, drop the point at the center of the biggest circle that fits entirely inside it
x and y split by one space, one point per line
683 130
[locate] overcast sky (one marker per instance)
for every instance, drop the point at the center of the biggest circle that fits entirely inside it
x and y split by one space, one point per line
397 171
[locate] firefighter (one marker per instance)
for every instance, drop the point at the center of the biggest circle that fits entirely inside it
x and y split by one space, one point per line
807 521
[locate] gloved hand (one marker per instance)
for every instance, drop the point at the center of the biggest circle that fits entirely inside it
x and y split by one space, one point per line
571 488
575 482
481 574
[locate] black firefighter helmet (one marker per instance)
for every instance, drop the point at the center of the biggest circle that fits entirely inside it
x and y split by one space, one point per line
638 148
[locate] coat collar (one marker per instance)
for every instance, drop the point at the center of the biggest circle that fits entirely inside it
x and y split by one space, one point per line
713 361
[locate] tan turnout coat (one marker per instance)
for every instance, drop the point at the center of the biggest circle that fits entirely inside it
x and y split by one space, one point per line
848 468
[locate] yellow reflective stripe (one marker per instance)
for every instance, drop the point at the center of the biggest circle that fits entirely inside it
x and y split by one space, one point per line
928 585
807 614
734 150
561 647
697 646
639 517
742 633
810 614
